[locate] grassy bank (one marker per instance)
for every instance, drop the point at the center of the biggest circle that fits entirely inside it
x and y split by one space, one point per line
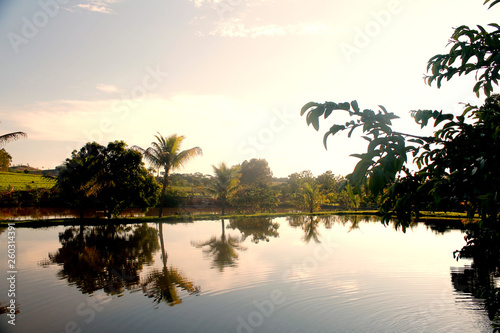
24 181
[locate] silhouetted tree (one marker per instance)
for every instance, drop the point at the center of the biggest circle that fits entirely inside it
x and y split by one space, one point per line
166 153
224 183
255 172
110 178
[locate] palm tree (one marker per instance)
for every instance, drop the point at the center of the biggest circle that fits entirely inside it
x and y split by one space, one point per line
224 183
11 137
166 154
310 195
161 285
222 250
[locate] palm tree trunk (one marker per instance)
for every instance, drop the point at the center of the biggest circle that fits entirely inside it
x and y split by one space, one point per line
164 255
223 236
163 190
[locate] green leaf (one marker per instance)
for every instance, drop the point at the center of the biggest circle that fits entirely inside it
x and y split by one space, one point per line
307 107
354 105
344 106
383 109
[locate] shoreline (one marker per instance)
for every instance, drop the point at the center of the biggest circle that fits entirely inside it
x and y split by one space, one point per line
190 218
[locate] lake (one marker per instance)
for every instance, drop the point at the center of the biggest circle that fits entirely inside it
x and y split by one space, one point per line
286 274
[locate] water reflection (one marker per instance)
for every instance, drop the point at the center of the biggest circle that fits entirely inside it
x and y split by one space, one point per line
260 229
161 285
309 225
482 277
107 257
351 280
223 250
112 257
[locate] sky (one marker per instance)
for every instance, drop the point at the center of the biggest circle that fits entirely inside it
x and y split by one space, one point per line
229 75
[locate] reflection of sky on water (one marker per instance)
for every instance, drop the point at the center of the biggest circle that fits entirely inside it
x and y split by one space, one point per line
370 276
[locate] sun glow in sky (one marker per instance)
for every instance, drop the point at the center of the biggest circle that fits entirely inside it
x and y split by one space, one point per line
229 75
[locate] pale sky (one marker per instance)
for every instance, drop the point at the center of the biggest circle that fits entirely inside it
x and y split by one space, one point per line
229 75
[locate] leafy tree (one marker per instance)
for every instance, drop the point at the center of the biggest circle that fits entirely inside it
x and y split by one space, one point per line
108 178
330 183
5 160
255 172
224 183
166 153
348 198
458 165
196 179
261 198
294 183
310 196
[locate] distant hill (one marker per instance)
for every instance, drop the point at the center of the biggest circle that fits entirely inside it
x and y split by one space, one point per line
35 171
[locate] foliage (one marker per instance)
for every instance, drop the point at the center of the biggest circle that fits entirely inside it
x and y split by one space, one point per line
291 191
36 197
224 183
108 178
348 198
472 51
255 172
173 198
166 154
457 166
310 196
325 189
328 182
5 160
261 198
196 179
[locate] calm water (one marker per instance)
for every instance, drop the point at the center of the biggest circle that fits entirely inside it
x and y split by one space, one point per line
255 275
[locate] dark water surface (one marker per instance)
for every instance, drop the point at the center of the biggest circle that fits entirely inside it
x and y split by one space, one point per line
301 274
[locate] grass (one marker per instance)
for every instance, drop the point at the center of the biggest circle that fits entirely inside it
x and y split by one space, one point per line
23 181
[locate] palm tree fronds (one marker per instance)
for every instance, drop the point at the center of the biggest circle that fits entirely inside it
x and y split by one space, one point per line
12 137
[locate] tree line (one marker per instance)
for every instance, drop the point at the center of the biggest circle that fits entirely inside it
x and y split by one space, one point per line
115 177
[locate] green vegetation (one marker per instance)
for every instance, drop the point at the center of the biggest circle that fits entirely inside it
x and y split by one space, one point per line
224 183
24 181
166 154
457 166
110 178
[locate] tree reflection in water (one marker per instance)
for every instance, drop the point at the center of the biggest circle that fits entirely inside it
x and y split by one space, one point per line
111 258
260 228
107 257
160 285
309 225
223 250
481 279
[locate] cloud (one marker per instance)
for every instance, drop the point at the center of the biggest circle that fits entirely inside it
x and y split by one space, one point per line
236 28
230 3
99 6
108 88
